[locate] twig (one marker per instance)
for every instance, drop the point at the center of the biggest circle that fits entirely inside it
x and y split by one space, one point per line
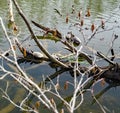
105 58
93 34
11 17
103 110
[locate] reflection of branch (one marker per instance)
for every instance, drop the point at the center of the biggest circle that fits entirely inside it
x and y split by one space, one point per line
97 96
105 30
101 106
112 44
22 106
51 77
35 39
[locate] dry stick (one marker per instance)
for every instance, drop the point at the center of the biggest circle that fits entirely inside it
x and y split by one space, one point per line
11 17
35 39
113 54
105 58
93 34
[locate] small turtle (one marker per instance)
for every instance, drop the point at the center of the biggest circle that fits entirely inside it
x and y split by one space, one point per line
72 38
38 55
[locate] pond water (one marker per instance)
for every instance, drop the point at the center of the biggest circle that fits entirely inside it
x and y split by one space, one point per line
43 12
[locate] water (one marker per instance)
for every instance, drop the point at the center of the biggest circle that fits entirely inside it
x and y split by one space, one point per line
43 12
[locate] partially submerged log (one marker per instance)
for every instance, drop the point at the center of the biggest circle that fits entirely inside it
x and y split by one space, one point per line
110 73
65 42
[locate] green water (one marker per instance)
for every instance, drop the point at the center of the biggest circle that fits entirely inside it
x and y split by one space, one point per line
43 11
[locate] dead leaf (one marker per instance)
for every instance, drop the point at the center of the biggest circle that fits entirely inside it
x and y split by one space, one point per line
102 24
103 82
24 52
92 27
37 104
66 85
62 111
57 86
67 19
88 13
14 47
52 101
81 22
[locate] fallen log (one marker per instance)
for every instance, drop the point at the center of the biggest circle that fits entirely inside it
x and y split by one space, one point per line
110 73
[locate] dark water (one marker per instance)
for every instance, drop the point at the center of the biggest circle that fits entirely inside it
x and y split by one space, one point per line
43 11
